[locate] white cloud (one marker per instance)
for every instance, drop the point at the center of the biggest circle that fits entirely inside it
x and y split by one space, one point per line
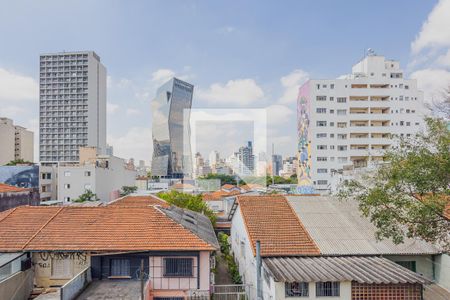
111 108
17 87
136 143
278 114
444 60
133 112
124 83
291 84
435 31
239 92
432 82
162 75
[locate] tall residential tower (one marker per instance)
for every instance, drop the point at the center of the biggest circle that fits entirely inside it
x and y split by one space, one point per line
349 122
171 138
72 99
16 142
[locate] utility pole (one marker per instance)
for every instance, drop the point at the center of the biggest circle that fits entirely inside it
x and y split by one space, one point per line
259 294
141 277
273 151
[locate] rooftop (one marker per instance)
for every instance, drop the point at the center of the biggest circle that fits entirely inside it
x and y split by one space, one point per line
272 221
6 188
370 270
139 201
217 195
103 229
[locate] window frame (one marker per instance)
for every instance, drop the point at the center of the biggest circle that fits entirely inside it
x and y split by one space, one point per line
168 273
303 287
333 290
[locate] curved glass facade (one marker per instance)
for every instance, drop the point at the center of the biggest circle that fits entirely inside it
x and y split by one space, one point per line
171 147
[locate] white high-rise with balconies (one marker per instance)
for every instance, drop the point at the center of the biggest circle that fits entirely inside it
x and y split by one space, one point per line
72 101
349 122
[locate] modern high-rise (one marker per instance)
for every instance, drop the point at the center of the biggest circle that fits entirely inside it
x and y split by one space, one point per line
170 130
16 142
277 164
349 122
72 97
246 160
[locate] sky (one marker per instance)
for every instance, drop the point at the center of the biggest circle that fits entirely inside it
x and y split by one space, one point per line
238 54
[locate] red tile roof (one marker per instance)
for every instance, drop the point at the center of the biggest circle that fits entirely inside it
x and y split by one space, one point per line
108 228
217 195
6 188
272 221
139 201
228 186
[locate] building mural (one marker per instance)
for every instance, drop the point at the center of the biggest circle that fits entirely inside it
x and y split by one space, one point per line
305 185
20 176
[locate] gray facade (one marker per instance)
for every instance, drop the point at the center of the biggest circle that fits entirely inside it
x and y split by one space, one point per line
72 99
171 144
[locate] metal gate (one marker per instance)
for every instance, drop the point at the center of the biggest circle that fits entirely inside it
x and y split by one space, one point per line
231 292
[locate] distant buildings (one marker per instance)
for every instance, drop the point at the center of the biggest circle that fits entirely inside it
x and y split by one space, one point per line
101 174
289 167
214 159
72 99
277 164
351 120
246 160
171 147
16 142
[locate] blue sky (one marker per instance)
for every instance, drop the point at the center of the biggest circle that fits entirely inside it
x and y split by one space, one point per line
243 54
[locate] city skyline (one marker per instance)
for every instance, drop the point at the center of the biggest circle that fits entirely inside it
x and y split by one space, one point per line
269 79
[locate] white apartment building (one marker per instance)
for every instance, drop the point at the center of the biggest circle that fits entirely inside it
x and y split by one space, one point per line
102 174
16 142
72 99
352 120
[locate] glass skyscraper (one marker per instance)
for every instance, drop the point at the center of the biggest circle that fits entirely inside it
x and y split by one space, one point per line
171 144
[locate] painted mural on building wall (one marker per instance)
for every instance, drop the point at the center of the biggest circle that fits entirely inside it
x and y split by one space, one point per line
20 176
305 185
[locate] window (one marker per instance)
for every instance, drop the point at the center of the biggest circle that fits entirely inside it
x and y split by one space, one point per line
321 110
120 267
331 98
321 135
67 173
341 112
332 86
331 124
321 147
61 268
296 289
322 171
321 98
67 199
342 136
409 264
87 173
342 159
321 123
321 158
341 99
322 182
178 266
341 124
67 186
327 289
342 148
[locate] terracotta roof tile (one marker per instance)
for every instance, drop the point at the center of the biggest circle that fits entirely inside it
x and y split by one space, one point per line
272 221
228 186
139 201
217 195
6 188
108 228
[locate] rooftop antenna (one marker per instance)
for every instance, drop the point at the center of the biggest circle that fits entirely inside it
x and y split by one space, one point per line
370 52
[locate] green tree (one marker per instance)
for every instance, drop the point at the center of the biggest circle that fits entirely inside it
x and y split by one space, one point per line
192 202
126 190
406 196
88 195
224 179
18 162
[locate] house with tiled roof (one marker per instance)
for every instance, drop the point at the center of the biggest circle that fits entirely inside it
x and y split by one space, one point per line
13 196
111 242
317 246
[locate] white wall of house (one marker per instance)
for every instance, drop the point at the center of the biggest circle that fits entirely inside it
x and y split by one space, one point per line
442 270
345 292
424 263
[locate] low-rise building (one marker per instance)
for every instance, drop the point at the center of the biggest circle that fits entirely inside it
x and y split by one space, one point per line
101 174
314 246
173 246
12 196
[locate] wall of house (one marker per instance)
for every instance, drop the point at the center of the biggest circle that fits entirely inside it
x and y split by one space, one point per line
17 286
45 273
442 270
345 292
14 199
240 245
424 263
